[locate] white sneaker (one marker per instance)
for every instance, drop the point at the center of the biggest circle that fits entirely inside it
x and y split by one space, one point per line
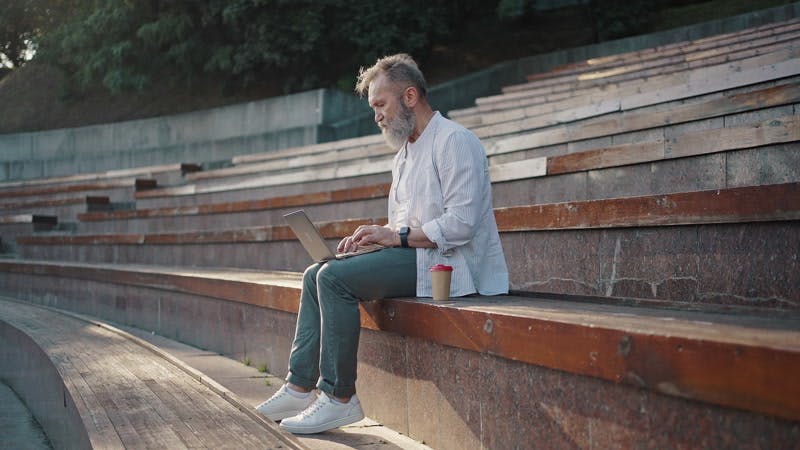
283 404
325 414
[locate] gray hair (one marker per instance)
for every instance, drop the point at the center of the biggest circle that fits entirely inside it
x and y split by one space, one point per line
399 68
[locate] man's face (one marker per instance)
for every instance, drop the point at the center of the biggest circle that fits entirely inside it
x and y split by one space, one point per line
396 120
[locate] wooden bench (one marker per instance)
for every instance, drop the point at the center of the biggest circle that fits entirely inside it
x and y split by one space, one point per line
108 389
570 95
342 174
684 84
518 175
663 50
326 205
558 363
117 190
338 156
163 174
546 246
514 179
624 79
12 226
66 208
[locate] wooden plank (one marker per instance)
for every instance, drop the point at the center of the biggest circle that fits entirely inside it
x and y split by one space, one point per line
682 84
629 121
661 350
683 47
49 190
655 72
316 198
29 218
134 390
734 205
606 157
529 168
634 350
657 210
42 203
308 149
773 131
302 161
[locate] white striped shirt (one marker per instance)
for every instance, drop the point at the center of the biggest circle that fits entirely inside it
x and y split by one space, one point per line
440 183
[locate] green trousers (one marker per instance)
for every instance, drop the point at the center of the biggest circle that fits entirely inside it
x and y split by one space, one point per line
325 348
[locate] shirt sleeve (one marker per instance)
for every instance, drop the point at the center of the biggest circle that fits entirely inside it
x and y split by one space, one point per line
463 174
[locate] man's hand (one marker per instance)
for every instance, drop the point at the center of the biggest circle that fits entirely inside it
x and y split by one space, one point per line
369 234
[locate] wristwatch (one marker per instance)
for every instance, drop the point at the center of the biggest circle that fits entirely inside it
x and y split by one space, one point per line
404 236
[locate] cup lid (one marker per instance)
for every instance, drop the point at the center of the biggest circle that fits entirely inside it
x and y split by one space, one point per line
441 268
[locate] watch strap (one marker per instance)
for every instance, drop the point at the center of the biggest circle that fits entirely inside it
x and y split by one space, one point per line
404 236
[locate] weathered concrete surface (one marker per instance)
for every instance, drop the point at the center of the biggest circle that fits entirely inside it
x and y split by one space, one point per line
444 396
199 136
35 379
18 427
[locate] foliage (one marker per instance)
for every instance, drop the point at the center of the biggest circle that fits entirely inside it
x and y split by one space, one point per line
619 18
130 44
23 21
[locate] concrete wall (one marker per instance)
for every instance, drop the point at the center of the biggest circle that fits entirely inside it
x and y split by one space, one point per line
28 370
294 120
200 136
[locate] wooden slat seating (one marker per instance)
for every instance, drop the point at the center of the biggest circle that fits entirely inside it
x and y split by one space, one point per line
693 49
523 229
298 161
648 354
570 96
339 174
117 190
615 60
614 83
119 392
370 200
287 161
66 209
163 174
12 226
361 201
646 91
721 80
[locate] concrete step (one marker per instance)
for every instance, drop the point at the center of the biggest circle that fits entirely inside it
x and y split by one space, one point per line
615 372
664 246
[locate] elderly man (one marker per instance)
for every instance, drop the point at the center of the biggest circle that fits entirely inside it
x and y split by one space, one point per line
440 211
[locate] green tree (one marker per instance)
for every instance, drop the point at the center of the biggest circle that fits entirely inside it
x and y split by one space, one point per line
22 22
129 44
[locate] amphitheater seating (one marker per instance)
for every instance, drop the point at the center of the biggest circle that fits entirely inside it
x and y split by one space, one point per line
648 204
118 391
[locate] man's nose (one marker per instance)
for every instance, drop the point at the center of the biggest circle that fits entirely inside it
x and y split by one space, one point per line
378 117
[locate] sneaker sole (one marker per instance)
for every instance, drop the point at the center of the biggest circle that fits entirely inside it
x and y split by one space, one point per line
322 427
281 416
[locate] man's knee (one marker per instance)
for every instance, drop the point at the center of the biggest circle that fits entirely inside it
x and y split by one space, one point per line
331 277
310 274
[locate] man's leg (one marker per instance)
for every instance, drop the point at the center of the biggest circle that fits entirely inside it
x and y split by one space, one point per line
304 356
341 285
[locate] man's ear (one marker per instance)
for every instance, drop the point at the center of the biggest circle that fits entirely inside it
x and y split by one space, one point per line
410 96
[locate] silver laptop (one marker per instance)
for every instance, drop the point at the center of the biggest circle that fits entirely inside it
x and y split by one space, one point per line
314 243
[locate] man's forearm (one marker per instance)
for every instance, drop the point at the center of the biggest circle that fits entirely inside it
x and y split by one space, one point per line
416 239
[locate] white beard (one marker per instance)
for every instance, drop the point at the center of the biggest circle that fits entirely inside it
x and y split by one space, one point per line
400 128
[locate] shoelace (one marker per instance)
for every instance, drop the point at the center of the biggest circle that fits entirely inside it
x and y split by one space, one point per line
273 398
318 404
284 393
